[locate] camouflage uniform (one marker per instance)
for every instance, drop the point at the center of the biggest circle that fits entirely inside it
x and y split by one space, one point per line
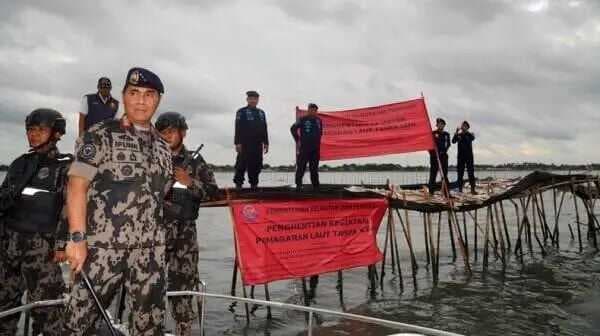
182 241
30 237
129 172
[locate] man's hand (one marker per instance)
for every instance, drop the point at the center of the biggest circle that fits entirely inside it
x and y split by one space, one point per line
238 148
59 256
182 176
76 253
265 148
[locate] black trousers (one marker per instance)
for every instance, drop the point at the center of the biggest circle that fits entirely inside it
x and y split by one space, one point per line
310 156
434 168
251 160
462 162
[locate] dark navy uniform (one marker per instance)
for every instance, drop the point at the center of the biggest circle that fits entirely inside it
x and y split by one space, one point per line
465 158
307 132
251 134
98 109
442 142
31 199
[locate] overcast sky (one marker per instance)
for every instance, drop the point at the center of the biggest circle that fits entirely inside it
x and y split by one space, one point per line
524 73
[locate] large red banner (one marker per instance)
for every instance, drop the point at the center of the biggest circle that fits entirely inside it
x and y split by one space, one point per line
387 129
279 240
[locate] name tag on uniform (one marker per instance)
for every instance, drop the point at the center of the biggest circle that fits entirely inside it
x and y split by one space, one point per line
179 185
32 191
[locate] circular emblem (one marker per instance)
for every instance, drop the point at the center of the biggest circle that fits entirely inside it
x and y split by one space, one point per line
87 152
132 157
43 173
126 170
134 78
121 156
250 214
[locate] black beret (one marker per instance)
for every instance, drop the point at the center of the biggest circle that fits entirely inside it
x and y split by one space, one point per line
104 80
144 78
252 93
440 120
313 105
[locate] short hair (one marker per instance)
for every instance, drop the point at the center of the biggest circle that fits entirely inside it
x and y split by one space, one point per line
252 93
466 123
440 120
313 105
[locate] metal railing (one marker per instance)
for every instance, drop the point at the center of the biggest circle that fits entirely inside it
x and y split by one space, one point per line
310 310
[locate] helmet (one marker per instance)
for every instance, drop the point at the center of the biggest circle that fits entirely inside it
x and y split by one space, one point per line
170 119
47 117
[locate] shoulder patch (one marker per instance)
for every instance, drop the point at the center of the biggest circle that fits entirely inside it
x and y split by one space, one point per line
87 151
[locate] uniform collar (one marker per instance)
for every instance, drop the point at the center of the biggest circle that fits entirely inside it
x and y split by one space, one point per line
104 101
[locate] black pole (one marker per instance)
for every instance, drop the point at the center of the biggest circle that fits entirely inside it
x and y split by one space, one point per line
99 305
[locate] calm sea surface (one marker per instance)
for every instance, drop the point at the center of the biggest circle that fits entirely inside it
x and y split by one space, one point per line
555 295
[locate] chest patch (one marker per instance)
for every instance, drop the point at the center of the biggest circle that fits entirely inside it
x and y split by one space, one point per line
43 173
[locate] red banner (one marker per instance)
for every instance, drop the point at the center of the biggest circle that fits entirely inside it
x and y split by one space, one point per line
387 129
279 240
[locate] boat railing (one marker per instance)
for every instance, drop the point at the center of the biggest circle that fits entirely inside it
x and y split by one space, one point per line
311 311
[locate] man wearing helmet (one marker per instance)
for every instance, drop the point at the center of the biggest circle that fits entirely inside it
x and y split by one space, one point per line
195 182
31 201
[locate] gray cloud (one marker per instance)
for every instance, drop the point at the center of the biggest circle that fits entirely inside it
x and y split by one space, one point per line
524 73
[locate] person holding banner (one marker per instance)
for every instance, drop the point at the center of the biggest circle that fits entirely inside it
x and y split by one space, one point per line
465 139
442 142
195 183
251 141
307 132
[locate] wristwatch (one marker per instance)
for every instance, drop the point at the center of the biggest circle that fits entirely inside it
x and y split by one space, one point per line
77 236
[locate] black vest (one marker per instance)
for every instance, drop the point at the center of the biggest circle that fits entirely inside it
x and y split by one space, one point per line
99 111
38 208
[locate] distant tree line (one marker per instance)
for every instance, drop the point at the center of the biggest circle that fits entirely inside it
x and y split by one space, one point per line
352 167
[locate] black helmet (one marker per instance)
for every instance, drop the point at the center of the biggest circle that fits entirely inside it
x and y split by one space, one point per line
170 119
47 117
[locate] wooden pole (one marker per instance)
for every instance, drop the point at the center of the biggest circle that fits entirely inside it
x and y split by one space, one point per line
464 216
414 260
268 298
433 252
486 239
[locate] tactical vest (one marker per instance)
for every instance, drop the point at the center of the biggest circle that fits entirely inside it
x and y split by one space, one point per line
38 209
181 203
99 111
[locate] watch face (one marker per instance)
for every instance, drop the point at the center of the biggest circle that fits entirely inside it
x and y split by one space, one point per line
77 236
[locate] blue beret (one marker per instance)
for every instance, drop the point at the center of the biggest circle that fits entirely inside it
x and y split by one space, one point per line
144 78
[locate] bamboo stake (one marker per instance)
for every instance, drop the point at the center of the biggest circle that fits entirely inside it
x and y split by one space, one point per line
475 248
426 237
502 246
406 232
451 237
268 298
487 240
395 250
413 259
577 217
508 245
433 252
465 233
385 246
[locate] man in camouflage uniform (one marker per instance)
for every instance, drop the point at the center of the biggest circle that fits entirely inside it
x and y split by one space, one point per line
195 183
117 187
31 200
